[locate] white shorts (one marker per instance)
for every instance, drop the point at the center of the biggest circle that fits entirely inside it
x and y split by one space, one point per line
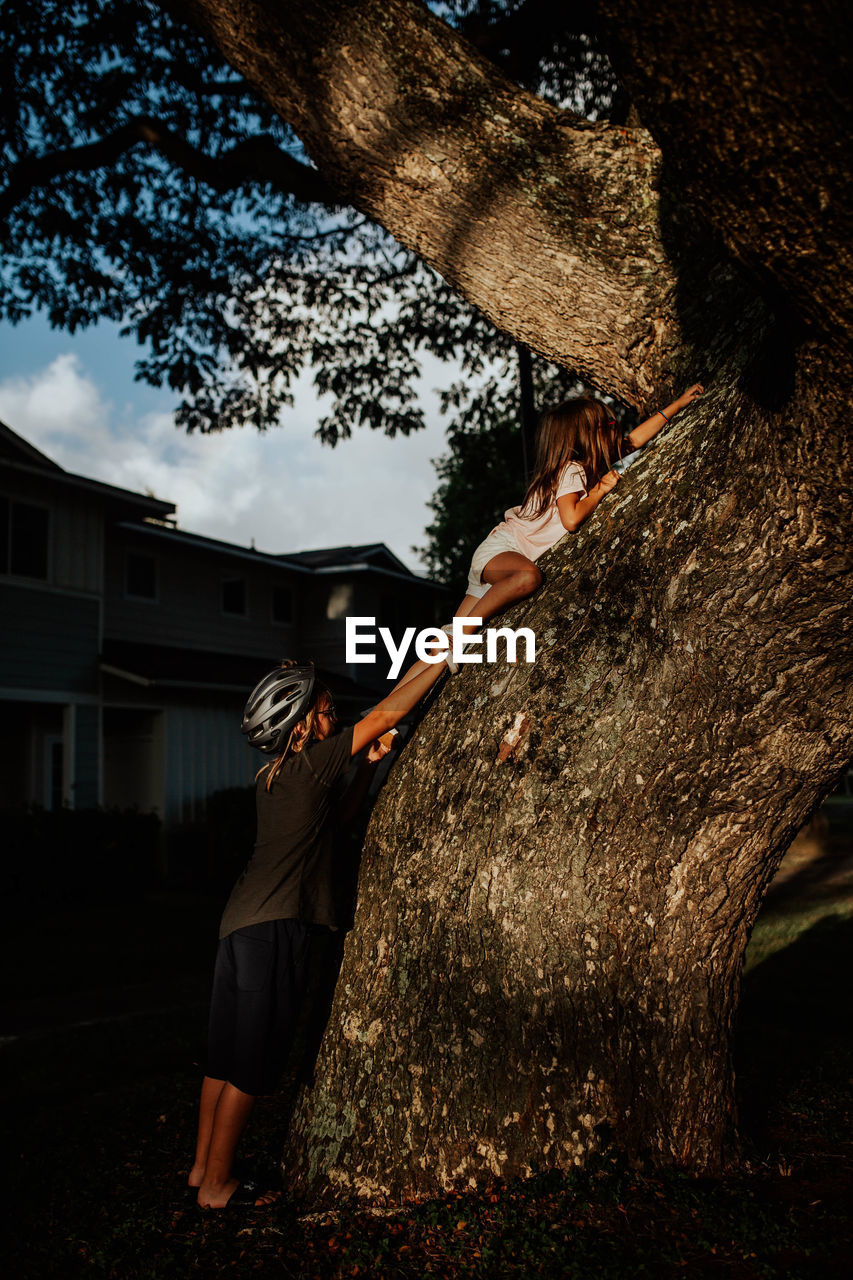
499 540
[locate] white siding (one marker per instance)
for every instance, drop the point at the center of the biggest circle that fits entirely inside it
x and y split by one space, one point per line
76 532
48 640
205 752
187 612
77 546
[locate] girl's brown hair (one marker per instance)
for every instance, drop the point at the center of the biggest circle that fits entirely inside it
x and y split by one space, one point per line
304 731
582 431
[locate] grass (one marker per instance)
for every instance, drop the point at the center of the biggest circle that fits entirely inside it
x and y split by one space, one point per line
100 1119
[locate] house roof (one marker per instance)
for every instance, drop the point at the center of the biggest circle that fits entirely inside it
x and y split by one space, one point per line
145 514
370 557
17 455
16 447
380 560
165 667
372 553
169 534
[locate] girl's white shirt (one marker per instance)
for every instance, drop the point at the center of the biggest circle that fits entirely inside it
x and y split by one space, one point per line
534 537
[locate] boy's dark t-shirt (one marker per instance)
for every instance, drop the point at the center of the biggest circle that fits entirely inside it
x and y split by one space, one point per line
291 874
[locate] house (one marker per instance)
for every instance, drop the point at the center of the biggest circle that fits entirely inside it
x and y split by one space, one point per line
128 645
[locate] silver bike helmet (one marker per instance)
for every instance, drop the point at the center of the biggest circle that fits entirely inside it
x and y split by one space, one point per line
275 705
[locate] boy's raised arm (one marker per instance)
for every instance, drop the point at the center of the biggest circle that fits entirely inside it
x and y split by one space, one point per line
391 710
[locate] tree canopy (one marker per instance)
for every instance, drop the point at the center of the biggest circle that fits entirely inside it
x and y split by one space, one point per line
145 181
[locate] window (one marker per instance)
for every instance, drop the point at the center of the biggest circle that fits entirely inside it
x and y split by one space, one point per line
282 604
24 533
234 596
340 601
140 576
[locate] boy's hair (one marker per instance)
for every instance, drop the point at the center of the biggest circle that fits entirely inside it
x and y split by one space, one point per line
305 730
581 430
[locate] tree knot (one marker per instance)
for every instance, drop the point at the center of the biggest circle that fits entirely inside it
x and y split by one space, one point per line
513 738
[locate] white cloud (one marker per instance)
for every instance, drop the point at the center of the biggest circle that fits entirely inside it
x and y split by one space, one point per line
283 489
53 406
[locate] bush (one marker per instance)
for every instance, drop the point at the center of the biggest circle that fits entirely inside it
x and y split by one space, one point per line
73 854
211 853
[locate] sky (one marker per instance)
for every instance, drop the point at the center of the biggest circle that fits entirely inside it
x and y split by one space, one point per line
74 397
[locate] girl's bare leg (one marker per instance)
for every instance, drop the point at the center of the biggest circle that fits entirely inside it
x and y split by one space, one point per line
510 577
465 609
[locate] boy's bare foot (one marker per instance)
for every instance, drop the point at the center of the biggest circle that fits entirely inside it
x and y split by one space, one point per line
236 1195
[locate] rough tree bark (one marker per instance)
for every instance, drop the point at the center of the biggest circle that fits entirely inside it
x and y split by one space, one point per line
563 870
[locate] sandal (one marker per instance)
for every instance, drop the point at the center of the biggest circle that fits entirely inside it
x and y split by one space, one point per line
244 1196
191 1193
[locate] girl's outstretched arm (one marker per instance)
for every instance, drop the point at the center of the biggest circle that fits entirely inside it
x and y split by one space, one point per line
574 510
647 430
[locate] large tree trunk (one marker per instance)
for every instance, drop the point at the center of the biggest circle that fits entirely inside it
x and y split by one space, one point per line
752 107
564 868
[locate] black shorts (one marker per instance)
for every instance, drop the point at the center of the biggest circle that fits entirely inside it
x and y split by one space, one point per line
259 984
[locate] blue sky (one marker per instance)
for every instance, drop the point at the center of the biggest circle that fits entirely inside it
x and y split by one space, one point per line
75 398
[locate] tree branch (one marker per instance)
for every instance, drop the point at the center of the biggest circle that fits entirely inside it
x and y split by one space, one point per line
254 160
545 222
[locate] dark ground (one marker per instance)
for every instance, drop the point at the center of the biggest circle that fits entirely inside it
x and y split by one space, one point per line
100 1080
